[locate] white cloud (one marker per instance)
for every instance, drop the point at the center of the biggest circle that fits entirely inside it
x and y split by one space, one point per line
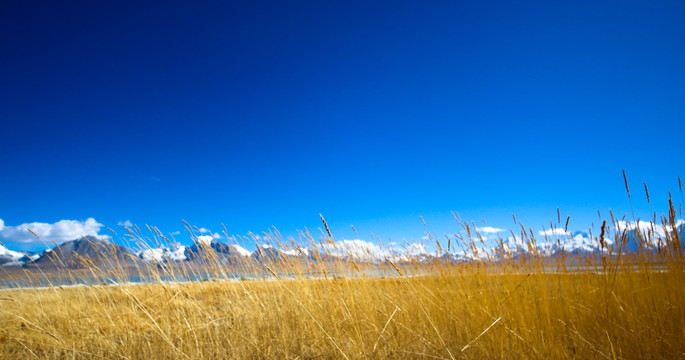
205 239
59 232
553 232
126 223
489 230
175 233
209 233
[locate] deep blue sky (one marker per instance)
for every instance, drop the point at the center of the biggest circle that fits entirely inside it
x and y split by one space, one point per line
267 113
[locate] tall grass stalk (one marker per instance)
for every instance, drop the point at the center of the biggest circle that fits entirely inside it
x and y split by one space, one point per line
624 300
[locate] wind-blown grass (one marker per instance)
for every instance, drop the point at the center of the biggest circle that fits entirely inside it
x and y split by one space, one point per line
609 304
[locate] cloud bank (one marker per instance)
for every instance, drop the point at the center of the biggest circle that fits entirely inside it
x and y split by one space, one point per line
203 231
59 232
489 230
553 232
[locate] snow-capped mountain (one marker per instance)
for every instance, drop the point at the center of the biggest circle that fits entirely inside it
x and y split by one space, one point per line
225 252
647 234
268 253
12 258
72 253
577 243
76 254
298 251
162 254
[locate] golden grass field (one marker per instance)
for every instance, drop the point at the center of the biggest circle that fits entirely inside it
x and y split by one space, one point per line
456 314
608 306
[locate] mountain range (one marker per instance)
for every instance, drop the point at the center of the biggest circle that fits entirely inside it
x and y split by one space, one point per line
90 250
81 253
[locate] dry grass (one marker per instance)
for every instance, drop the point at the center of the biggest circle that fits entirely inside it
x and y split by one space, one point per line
611 306
629 315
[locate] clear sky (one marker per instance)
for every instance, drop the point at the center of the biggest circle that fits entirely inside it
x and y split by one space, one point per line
260 114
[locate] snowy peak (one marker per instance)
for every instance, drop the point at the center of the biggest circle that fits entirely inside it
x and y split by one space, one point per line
227 251
164 254
242 251
642 235
12 258
76 253
193 252
266 252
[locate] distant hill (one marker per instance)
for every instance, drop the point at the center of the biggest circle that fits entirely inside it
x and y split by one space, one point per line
224 253
647 237
267 253
12 258
79 253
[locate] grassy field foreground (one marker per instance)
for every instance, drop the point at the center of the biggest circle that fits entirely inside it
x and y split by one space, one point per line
623 300
463 312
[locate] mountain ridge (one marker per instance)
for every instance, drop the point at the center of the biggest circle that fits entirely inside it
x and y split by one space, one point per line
79 253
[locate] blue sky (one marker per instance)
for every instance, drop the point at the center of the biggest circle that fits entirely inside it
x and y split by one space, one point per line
266 114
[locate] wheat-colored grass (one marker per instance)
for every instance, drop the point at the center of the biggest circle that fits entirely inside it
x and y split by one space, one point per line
460 315
608 306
